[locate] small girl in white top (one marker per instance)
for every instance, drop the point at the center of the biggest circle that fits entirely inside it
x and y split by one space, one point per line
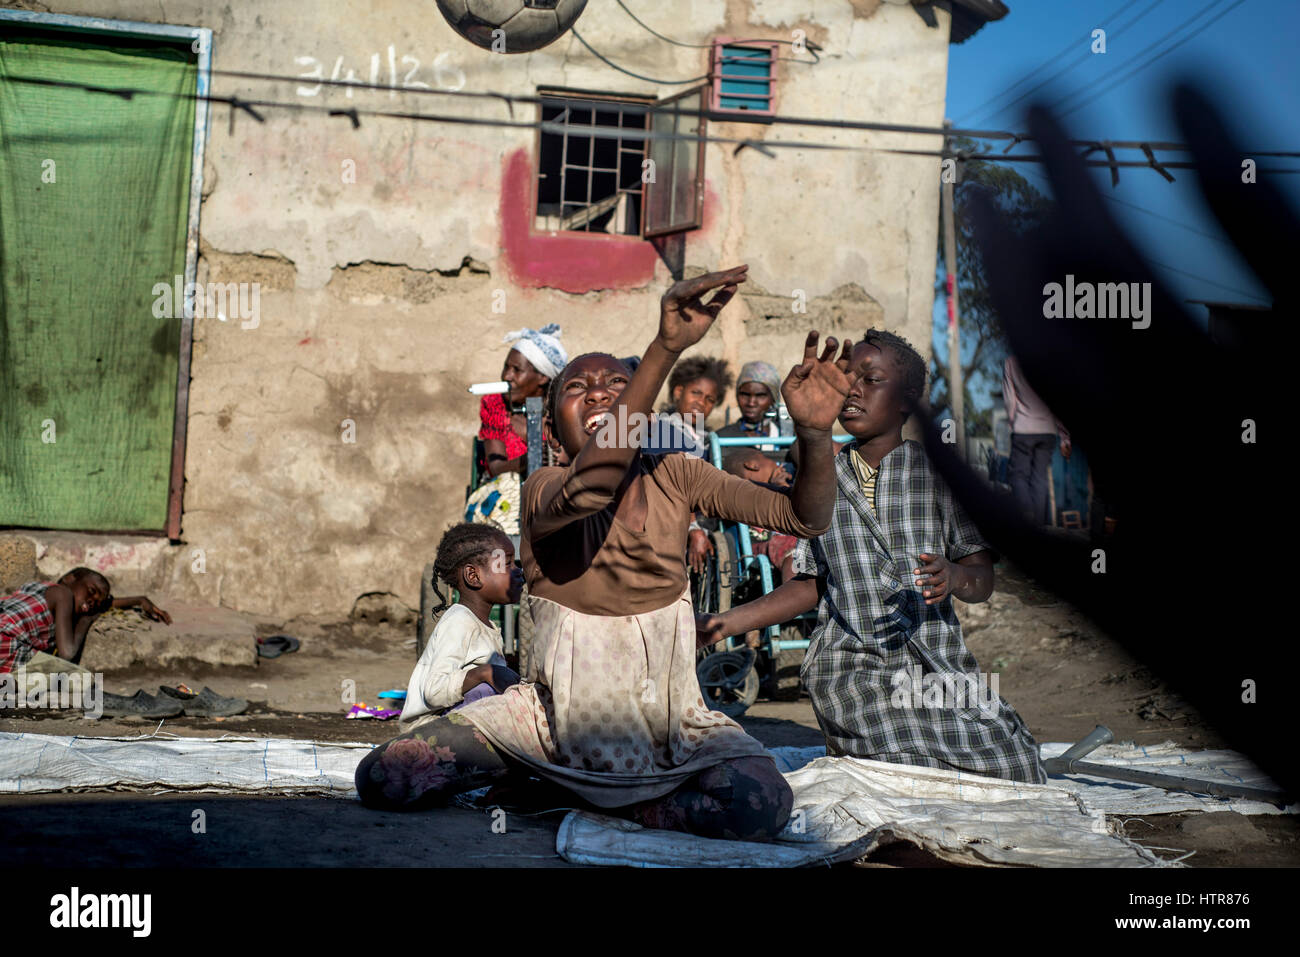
462 661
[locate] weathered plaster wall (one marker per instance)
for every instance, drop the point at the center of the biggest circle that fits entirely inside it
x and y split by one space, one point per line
376 299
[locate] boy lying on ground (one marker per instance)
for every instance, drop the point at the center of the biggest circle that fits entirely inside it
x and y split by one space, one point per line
898 548
45 615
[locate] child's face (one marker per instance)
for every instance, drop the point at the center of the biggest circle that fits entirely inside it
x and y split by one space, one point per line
524 380
89 598
586 391
501 580
876 404
754 401
696 398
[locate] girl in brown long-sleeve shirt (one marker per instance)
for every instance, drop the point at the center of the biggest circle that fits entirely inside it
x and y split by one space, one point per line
612 710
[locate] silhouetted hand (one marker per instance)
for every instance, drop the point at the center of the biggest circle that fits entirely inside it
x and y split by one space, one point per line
1185 438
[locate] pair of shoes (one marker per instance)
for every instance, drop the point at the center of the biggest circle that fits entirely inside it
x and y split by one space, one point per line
206 704
140 705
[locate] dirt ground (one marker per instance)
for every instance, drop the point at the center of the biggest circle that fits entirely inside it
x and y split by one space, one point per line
1062 675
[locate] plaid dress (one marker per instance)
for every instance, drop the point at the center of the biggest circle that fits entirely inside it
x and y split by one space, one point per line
876 640
26 625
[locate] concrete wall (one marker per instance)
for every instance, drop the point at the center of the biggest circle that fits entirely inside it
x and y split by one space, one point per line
376 296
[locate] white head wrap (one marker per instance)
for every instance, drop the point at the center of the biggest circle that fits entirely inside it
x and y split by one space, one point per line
541 347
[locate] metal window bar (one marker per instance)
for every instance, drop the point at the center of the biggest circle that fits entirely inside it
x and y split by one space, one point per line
585 215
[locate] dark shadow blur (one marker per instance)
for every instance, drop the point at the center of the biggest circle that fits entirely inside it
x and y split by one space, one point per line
1198 581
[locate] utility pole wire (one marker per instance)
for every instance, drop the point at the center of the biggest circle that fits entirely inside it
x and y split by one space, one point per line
354 115
1142 66
1118 31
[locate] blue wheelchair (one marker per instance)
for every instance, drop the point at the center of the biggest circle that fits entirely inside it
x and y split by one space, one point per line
731 673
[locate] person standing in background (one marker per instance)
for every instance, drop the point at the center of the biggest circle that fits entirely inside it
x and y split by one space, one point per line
1035 431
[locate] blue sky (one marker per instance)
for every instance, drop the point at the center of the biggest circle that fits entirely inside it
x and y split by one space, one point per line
1246 55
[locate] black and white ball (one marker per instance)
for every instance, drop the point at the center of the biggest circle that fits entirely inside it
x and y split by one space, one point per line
524 25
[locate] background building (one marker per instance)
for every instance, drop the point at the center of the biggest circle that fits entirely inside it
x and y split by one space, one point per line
322 428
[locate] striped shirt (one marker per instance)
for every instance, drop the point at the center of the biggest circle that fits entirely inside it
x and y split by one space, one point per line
866 477
26 625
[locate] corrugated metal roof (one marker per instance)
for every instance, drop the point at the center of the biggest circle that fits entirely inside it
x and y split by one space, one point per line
967 15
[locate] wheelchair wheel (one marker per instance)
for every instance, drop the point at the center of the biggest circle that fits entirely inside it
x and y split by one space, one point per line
728 682
711 592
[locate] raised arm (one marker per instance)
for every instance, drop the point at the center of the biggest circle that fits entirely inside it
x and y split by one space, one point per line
590 394
684 318
815 391
814 394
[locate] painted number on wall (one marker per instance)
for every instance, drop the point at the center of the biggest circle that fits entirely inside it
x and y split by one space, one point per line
397 73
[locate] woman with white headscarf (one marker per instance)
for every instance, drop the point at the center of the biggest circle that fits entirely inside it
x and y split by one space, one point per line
536 357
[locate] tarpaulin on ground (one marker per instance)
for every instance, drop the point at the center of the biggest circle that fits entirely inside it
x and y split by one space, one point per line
1124 797
845 808
31 763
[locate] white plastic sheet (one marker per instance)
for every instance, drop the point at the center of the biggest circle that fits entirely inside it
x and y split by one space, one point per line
845 807
32 763
1123 797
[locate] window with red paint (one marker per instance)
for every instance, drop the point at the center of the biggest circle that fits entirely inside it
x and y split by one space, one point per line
620 166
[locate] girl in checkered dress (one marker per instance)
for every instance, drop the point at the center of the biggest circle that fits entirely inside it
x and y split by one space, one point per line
887 669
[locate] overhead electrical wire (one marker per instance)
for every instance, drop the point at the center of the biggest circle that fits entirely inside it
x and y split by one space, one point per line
610 63
1117 31
354 114
510 99
1174 222
811 47
1142 66
1051 61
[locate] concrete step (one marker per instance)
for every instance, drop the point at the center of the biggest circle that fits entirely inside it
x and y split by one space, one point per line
198 634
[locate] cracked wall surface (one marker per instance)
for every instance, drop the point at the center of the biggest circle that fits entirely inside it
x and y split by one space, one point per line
381 253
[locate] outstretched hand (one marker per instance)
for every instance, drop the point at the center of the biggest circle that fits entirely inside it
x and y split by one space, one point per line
684 316
153 612
815 390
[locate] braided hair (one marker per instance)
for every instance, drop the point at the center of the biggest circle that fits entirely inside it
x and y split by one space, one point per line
906 358
464 544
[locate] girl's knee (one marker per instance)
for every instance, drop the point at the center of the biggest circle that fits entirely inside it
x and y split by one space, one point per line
403 774
760 800
366 789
